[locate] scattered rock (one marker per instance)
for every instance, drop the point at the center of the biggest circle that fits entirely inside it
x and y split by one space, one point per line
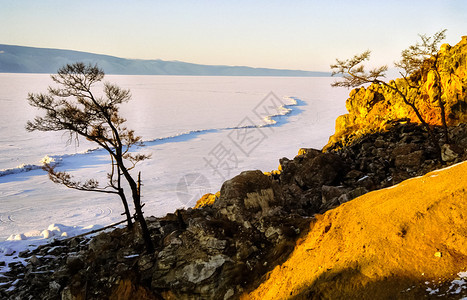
447 154
411 160
199 270
74 264
33 260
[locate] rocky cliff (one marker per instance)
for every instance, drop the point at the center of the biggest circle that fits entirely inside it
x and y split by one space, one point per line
374 108
227 247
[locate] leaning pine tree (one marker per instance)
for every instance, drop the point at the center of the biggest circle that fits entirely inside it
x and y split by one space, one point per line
72 107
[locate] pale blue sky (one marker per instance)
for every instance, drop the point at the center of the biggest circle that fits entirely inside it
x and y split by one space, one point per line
306 35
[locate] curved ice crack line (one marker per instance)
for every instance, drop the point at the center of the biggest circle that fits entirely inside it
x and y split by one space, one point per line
275 120
96 215
2 219
103 212
100 213
10 215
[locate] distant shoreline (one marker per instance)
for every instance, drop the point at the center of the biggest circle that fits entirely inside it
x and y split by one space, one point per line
175 75
31 60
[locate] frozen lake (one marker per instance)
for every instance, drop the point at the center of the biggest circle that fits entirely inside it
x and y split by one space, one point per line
199 130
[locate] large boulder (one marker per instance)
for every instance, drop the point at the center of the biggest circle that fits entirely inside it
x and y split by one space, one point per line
313 170
250 193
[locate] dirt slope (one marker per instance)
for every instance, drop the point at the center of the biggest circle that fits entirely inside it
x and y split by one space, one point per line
393 243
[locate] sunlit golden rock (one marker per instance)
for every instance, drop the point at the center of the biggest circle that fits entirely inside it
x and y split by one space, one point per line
374 108
207 200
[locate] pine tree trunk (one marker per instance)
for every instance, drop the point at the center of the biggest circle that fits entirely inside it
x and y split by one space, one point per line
121 193
441 105
433 139
141 220
137 203
139 212
127 210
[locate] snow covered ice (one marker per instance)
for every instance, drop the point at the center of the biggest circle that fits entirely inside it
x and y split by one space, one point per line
186 122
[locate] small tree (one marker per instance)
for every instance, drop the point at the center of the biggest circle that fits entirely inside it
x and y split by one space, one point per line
420 58
412 65
72 107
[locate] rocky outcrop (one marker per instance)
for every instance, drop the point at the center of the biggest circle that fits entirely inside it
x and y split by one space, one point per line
225 248
375 108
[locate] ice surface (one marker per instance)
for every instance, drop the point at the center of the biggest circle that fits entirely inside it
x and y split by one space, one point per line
186 123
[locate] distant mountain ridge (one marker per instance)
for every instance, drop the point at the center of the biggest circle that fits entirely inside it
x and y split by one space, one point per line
20 59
